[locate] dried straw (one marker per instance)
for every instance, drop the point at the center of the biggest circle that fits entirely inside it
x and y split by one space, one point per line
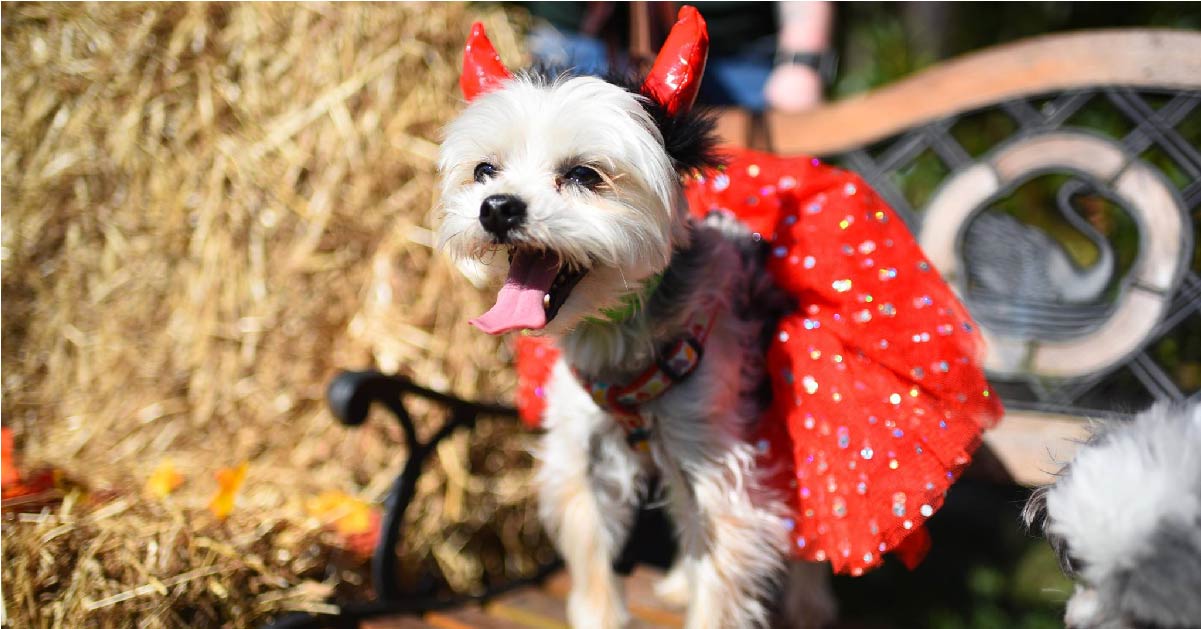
208 209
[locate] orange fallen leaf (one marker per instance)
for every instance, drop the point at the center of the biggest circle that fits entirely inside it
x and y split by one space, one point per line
229 481
9 475
40 485
356 521
163 480
345 513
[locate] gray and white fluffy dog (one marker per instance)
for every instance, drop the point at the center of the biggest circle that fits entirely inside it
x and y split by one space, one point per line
1124 517
570 187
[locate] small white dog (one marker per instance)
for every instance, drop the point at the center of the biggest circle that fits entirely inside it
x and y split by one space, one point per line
1125 520
573 178
570 188
567 181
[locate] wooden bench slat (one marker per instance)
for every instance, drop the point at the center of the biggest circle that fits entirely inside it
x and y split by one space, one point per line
1062 61
646 610
396 622
643 604
558 584
530 608
452 620
543 608
1033 446
471 617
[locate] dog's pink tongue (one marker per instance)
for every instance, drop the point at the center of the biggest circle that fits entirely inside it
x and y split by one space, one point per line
519 302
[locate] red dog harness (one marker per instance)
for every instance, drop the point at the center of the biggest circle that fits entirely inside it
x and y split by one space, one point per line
675 363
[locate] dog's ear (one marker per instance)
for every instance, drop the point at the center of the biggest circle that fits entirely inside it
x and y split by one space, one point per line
671 88
483 70
676 75
1038 520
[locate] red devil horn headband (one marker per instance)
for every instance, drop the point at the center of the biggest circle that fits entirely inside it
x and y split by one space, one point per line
676 75
673 80
482 68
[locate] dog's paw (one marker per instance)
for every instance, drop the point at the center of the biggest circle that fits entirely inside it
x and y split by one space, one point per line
673 588
599 611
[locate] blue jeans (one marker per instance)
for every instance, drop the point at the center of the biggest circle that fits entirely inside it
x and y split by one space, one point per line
738 79
731 80
553 48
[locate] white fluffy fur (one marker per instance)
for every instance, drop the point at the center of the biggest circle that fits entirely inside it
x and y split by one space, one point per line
733 538
1127 511
1118 491
530 132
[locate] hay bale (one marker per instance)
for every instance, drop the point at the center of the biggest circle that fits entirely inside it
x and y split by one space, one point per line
208 209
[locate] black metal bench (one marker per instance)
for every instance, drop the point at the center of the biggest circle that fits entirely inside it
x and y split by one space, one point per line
1044 94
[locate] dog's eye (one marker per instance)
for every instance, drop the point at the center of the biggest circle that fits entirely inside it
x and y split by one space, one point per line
484 170
583 176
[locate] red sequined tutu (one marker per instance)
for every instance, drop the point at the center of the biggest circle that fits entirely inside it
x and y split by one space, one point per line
879 399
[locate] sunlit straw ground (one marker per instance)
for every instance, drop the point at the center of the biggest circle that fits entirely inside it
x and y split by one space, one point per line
208 209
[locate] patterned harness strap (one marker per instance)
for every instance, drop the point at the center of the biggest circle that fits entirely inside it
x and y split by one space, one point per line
674 363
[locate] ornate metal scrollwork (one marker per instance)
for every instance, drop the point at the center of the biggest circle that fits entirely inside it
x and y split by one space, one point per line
1043 316
1066 338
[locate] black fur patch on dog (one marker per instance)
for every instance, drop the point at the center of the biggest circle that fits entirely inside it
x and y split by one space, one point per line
690 138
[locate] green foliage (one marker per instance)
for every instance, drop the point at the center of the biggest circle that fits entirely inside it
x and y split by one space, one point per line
880 42
1037 580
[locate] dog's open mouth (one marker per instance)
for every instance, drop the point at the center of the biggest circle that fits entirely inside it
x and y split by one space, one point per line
537 285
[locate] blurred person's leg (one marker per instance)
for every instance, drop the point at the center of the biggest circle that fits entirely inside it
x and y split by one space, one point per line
555 48
738 80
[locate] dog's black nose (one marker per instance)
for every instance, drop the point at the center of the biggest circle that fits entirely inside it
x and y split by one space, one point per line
500 213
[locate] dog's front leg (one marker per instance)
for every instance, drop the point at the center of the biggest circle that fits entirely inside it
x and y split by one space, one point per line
733 544
589 513
589 487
